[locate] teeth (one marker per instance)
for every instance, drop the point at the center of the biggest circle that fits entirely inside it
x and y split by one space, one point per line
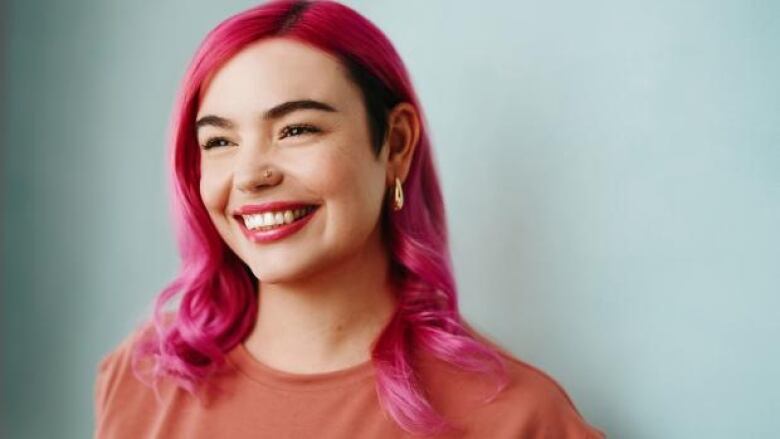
272 219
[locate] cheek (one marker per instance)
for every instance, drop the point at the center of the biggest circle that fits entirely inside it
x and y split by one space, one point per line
213 188
352 184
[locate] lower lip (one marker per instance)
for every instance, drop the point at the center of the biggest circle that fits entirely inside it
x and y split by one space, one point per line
278 232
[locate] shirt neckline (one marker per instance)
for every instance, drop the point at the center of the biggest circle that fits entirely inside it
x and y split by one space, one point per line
262 373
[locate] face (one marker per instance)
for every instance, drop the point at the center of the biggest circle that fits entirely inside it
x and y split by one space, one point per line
319 154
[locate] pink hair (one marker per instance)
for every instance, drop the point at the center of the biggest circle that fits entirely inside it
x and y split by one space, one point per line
218 304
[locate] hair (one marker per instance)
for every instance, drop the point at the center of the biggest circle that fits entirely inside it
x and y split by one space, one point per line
217 290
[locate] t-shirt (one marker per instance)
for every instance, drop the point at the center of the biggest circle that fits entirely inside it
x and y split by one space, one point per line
258 401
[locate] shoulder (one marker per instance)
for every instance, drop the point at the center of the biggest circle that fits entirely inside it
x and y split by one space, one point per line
551 410
127 400
120 357
117 383
114 369
532 405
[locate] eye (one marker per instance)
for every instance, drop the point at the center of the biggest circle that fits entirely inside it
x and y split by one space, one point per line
216 141
296 130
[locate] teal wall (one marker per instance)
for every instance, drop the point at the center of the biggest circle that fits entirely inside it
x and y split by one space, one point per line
612 172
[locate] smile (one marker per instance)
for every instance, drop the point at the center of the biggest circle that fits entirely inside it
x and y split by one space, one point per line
272 225
272 220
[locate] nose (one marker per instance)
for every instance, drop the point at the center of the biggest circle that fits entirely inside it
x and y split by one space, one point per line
253 180
253 175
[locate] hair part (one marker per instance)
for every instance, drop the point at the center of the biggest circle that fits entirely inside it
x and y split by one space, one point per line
217 290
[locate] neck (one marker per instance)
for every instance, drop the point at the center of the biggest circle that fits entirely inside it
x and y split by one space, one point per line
328 321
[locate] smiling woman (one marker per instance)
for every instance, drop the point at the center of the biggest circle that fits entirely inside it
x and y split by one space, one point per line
317 293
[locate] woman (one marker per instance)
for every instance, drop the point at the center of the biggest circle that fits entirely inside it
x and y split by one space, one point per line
317 298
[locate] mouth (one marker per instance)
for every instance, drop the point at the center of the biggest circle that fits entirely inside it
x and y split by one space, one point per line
272 225
274 219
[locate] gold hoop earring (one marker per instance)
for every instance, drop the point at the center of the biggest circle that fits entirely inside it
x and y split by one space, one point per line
398 200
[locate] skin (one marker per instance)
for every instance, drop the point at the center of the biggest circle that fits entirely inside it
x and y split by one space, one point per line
324 294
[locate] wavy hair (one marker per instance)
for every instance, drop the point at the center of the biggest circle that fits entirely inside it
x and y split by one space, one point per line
217 290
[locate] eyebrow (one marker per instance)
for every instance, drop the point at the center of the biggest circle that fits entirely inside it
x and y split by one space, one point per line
273 113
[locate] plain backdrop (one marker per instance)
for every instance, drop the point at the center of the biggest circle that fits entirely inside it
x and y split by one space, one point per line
611 170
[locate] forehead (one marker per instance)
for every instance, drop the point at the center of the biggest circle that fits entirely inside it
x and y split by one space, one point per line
271 71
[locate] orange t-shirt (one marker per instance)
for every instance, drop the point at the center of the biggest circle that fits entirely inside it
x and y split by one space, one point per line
257 401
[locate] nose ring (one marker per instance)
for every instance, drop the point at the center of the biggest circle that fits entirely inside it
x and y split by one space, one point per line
267 173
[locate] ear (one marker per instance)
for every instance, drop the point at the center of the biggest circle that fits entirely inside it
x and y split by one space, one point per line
403 133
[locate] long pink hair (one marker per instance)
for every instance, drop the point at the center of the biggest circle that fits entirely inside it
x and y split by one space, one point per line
217 291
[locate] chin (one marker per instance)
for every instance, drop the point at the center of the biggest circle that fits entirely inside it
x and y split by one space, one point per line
280 273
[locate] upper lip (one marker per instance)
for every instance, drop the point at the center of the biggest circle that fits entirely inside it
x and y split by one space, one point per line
272 206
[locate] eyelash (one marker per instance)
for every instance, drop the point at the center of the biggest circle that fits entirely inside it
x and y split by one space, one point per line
213 141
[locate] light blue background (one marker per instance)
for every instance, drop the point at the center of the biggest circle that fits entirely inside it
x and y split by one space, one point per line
612 173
